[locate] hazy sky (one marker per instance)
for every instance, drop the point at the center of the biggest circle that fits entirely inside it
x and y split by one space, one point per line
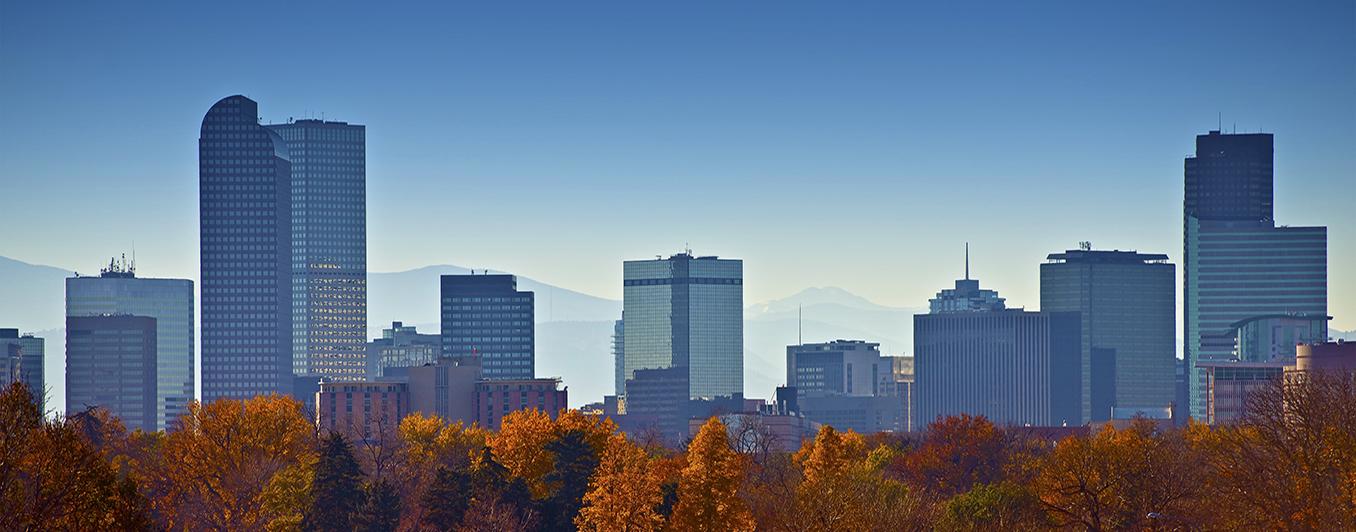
826 144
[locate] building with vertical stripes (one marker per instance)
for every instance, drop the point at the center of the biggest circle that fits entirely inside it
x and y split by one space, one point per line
1012 366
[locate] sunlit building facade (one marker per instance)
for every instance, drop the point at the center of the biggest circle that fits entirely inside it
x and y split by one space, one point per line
487 317
329 247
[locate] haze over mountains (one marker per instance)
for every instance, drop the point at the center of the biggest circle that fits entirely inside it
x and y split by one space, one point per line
574 329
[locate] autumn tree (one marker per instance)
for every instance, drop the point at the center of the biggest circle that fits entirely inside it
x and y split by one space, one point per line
624 492
1001 506
425 444
336 491
957 453
708 490
1116 479
844 489
53 478
234 465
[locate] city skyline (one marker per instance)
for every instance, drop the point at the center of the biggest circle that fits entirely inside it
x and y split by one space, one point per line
884 132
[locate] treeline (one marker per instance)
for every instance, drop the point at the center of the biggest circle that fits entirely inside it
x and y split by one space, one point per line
261 464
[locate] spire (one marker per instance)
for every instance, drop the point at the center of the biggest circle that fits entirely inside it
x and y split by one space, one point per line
967 261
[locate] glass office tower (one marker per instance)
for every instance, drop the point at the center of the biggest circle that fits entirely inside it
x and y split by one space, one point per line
22 357
686 311
245 232
1237 263
110 363
118 291
329 247
1126 301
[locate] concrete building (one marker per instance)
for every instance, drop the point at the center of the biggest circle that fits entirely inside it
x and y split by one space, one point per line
111 364
966 296
1238 264
686 312
245 234
752 433
487 317
362 409
1012 366
401 347
656 400
23 361
329 247
619 357
1325 356
860 413
118 291
497 398
846 384
446 388
1128 316
1228 384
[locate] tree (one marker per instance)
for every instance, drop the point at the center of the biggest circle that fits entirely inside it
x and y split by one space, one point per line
447 499
223 457
336 492
708 490
843 488
520 445
575 460
957 453
1001 506
380 511
624 493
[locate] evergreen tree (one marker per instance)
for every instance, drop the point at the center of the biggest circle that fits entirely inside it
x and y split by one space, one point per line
336 491
575 461
447 499
380 511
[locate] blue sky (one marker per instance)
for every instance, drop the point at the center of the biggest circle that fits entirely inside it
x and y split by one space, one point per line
827 144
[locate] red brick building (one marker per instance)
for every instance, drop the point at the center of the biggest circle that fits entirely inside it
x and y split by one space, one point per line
496 398
361 409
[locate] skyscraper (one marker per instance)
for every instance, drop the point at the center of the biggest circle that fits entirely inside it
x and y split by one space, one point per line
110 363
1127 307
118 291
23 361
487 317
619 357
686 312
846 384
245 232
1237 263
329 247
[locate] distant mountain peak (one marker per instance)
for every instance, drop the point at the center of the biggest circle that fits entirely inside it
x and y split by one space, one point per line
819 295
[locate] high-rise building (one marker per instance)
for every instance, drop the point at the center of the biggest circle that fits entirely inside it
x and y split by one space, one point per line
1128 312
487 317
245 232
686 312
840 367
966 296
1012 366
118 291
1273 337
329 247
399 348
23 361
111 364
1237 263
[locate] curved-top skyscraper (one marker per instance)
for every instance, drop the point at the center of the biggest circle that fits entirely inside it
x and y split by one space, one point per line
245 229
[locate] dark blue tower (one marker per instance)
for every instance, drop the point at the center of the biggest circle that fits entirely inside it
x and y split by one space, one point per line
245 229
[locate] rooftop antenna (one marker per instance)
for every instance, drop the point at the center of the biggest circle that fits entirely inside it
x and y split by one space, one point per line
967 261
1219 121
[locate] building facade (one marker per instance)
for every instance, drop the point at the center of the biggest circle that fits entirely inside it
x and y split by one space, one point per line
111 364
1128 312
23 362
362 409
686 312
118 291
1014 367
1273 337
401 347
245 236
329 247
498 398
487 317
446 388
1237 264
840 367
619 358
1228 384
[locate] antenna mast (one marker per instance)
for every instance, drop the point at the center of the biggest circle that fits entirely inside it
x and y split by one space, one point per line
967 261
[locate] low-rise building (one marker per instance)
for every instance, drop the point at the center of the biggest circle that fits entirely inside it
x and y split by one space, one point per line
497 398
362 409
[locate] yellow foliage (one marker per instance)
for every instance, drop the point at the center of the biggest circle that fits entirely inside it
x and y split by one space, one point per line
623 492
708 492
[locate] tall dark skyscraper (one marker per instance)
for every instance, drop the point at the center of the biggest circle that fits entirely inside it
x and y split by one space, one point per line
329 247
486 316
1126 301
245 231
1237 263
